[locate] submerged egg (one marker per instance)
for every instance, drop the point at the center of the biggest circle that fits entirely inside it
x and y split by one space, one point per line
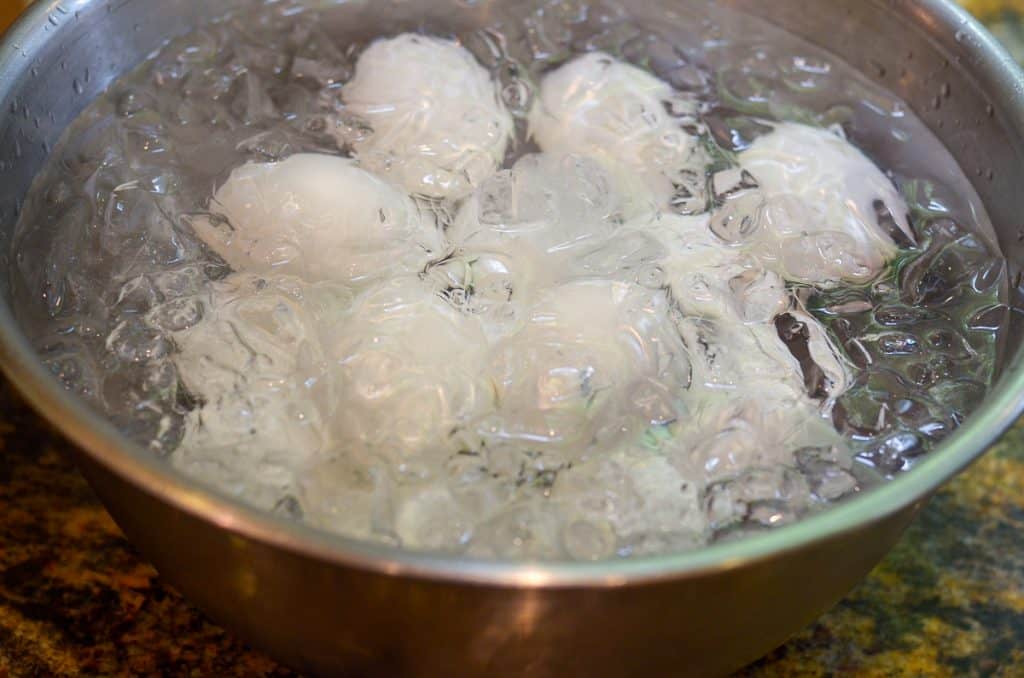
830 214
595 360
551 202
709 279
256 367
407 365
439 127
631 121
562 321
319 217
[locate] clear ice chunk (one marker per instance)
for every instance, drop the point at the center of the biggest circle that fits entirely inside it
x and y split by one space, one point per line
407 368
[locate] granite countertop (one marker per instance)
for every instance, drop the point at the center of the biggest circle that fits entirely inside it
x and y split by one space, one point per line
75 598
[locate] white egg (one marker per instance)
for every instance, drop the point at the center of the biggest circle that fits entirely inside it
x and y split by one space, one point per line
710 279
439 126
630 120
553 203
547 219
825 206
407 366
638 495
319 217
257 367
596 358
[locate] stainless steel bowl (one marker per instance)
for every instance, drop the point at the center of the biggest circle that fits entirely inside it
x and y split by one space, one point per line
333 606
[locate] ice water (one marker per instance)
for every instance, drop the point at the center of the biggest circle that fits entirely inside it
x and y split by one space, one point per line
115 286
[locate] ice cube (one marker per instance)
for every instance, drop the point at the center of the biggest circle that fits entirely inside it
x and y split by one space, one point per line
711 279
430 519
640 496
350 494
767 496
554 203
524 531
495 286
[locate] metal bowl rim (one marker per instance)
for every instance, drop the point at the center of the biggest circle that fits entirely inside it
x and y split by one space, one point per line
106 446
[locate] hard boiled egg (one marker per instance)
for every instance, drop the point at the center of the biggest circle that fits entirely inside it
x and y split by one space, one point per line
439 126
634 123
595 358
830 214
320 217
256 366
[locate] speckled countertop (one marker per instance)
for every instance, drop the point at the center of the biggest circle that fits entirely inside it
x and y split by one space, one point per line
75 599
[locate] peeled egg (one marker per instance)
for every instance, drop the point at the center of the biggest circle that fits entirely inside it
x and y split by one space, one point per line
320 217
631 121
595 357
710 279
724 437
438 125
256 365
552 202
637 495
407 366
830 214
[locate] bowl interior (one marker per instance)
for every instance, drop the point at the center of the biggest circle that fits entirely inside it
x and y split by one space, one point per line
59 57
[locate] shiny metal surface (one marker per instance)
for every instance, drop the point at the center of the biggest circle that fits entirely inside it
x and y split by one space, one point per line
333 606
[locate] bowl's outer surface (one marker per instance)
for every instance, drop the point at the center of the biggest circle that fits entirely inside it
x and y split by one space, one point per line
332 606
315 615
